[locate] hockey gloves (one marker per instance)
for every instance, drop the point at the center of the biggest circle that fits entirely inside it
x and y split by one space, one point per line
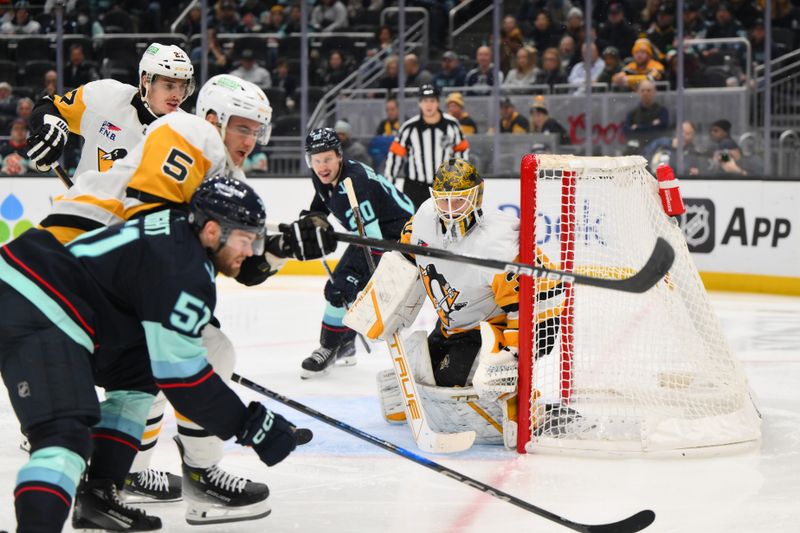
309 237
342 291
271 436
46 145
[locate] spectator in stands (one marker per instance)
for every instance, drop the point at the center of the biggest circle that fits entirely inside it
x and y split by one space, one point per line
541 122
510 120
647 121
50 83
786 15
728 160
293 25
351 148
78 22
391 66
556 9
8 104
383 41
455 107
724 24
543 33
510 42
452 73
757 43
664 150
694 25
643 67
566 53
617 31
24 109
483 74
216 57
227 19
574 22
192 24
13 152
78 72
577 76
391 124
720 130
415 75
335 71
745 12
611 65
329 15
552 73
283 79
661 33
250 70
22 23
526 71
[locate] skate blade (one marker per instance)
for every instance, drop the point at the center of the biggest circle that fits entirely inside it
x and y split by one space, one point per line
224 515
141 499
346 361
310 374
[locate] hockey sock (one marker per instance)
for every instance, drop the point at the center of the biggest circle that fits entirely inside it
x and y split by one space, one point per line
155 420
201 449
45 488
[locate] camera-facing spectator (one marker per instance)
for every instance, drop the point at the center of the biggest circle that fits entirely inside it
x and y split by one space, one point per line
192 24
483 74
617 31
335 71
452 73
391 67
526 71
21 23
383 41
720 130
611 65
24 109
643 67
541 122
415 75
510 120
510 42
544 33
227 19
293 24
552 73
662 32
728 160
283 79
250 70
456 108
694 25
647 121
351 148
391 124
8 104
50 84
329 15
574 22
577 75
758 43
78 72
664 150
566 52
13 152
724 24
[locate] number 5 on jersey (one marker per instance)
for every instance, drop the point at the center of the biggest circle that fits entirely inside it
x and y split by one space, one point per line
177 165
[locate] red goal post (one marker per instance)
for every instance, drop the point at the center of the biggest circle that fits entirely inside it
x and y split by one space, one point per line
603 371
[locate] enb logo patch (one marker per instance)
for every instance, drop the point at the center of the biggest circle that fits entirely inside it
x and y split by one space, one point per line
697 224
12 225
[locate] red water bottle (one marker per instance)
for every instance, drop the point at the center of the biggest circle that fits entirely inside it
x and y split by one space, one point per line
668 189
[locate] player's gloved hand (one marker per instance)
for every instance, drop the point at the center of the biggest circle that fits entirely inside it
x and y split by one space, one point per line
271 436
309 237
46 145
342 290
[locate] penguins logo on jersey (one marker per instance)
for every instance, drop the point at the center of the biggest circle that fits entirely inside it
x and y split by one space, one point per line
105 160
441 293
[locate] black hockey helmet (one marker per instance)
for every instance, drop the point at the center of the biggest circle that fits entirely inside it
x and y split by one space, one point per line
428 91
322 140
231 203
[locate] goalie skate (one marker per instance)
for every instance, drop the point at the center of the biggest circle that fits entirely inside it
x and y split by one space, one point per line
214 496
149 486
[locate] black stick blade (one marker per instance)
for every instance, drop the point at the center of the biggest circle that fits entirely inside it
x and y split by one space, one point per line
634 523
303 435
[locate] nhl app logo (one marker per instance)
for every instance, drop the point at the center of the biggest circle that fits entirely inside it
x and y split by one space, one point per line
697 224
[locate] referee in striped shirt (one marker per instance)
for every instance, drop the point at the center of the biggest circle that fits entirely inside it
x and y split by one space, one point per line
426 140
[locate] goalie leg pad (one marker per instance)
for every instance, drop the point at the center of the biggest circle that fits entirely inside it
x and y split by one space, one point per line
457 409
390 397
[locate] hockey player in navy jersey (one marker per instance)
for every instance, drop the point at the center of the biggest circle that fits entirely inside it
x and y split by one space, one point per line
384 211
90 313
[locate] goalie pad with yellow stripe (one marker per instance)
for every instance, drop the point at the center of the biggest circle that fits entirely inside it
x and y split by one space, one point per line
390 301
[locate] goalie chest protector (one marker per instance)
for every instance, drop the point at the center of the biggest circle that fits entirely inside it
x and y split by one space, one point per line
461 293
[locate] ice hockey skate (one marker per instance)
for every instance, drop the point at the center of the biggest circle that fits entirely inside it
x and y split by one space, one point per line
151 486
214 496
322 359
98 506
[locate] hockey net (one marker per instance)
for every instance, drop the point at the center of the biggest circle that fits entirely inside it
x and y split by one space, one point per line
609 371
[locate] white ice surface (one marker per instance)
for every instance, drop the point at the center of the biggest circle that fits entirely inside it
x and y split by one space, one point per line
338 483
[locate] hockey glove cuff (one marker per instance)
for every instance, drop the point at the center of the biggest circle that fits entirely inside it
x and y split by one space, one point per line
46 145
271 436
309 237
342 291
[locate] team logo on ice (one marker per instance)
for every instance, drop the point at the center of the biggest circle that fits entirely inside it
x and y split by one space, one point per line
697 224
441 293
109 130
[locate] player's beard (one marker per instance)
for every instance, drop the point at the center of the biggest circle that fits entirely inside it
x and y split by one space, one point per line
228 261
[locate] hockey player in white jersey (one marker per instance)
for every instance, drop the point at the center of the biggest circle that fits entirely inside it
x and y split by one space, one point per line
467 368
178 152
110 116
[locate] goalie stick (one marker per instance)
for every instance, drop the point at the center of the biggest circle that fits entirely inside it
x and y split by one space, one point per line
636 522
656 267
62 175
426 438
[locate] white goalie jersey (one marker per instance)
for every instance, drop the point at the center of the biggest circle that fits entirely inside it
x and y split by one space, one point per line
465 295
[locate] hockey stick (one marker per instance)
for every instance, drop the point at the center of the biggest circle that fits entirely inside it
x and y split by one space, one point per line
346 306
425 437
63 176
651 273
636 522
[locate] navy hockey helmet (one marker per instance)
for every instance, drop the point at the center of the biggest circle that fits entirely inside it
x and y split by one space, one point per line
233 205
322 140
428 91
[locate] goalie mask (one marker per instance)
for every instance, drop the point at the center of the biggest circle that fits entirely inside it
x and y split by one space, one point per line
233 205
457 194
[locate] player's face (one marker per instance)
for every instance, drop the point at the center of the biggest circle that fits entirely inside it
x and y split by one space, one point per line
238 247
240 138
452 207
165 95
326 166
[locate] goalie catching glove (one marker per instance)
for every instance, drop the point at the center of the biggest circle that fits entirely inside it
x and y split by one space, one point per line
496 375
46 145
272 437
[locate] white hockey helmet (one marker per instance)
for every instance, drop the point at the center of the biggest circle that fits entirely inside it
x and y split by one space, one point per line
230 96
166 60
